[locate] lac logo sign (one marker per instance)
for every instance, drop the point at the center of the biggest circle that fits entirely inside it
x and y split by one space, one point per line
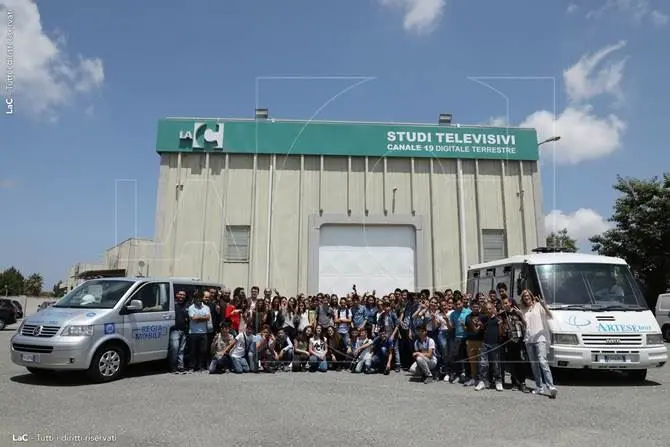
203 136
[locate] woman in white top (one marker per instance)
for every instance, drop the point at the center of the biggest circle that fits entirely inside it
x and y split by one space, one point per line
288 313
536 314
301 318
318 351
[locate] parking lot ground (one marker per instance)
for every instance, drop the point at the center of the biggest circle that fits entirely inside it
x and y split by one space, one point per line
153 408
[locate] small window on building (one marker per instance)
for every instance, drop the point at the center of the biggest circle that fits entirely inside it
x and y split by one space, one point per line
494 247
236 243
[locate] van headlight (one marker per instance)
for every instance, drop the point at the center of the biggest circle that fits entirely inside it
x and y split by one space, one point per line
564 339
78 331
654 339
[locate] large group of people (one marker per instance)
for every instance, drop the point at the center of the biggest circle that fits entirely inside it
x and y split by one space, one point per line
443 336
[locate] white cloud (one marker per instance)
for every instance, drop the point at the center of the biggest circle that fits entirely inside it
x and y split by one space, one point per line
581 225
420 16
572 8
588 78
497 121
584 136
46 75
637 10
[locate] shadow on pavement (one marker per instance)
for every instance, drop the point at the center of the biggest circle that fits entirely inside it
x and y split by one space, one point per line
599 379
79 378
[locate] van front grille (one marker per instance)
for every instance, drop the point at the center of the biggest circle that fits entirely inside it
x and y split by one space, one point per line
36 330
32 348
612 340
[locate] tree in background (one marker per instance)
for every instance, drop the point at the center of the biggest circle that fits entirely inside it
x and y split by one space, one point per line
58 290
33 285
641 234
562 240
11 282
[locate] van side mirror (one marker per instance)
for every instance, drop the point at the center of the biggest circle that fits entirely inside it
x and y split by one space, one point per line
134 306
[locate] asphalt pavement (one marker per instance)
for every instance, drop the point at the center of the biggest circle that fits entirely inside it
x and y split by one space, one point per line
154 408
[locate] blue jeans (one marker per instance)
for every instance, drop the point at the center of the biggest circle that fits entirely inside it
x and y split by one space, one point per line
317 363
176 349
346 338
239 365
490 358
443 349
537 356
363 363
219 364
286 357
252 354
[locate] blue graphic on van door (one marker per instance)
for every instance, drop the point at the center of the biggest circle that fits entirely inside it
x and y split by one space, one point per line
90 314
152 332
577 321
110 328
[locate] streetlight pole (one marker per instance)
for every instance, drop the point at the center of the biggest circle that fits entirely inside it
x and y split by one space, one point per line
549 140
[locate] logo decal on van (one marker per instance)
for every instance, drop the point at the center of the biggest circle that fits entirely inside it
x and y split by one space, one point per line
110 328
90 314
576 321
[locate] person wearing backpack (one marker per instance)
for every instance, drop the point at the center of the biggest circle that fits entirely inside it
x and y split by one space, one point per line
343 322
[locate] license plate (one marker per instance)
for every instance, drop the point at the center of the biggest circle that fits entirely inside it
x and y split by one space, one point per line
613 358
31 358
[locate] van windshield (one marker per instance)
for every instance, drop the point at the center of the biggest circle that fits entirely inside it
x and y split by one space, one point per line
589 287
95 294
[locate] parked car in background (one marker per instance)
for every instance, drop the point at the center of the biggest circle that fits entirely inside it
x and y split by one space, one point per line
19 309
663 314
46 304
7 313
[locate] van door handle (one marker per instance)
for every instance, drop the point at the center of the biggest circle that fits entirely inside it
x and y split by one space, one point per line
166 317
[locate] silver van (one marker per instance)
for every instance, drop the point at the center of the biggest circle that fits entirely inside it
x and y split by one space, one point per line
102 326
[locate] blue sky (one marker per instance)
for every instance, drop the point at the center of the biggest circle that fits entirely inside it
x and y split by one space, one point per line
93 78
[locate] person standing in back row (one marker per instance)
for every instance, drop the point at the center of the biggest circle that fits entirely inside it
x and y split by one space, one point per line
179 333
200 317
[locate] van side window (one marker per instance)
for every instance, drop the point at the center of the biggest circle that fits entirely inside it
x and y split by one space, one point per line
154 297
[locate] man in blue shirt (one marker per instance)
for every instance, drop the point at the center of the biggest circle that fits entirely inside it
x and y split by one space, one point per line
388 323
382 351
458 349
199 316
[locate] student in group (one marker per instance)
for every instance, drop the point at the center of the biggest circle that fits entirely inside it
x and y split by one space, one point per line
474 340
324 314
493 328
343 321
267 355
301 319
458 348
382 352
358 313
301 349
515 328
389 324
337 350
221 345
362 353
199 319
239 349
318 351
179 334
424 356
536 314
284 349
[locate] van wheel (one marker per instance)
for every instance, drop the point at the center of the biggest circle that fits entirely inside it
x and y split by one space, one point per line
638 375
666 332
39 372
2 324
108 364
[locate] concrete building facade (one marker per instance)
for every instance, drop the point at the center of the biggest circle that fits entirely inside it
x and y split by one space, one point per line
320 206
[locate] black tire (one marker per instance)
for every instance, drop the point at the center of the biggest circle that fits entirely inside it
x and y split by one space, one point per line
666 332
108 364
39 372
638 375
3 325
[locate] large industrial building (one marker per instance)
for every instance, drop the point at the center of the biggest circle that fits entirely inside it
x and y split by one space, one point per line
305 206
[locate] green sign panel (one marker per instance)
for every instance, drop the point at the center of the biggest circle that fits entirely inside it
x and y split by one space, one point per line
343 139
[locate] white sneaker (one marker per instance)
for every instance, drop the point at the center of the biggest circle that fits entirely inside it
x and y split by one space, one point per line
499 386
553 392
446 378
480 386
470 382
539 391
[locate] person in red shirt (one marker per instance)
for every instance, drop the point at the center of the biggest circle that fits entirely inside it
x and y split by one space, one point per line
233 313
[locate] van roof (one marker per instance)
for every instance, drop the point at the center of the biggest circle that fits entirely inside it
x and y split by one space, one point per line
551 258
163 279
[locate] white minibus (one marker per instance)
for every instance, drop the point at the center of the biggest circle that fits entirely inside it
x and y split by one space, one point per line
600 318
